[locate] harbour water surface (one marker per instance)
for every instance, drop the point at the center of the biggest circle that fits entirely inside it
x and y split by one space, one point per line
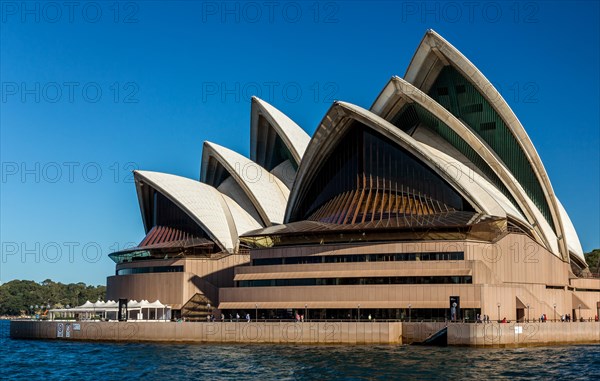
60 360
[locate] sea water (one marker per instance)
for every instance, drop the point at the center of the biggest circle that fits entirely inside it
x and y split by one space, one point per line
60 360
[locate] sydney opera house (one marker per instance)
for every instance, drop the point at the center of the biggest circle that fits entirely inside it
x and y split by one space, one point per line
431 204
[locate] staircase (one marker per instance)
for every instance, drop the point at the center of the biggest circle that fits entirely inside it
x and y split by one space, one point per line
525 295
196 309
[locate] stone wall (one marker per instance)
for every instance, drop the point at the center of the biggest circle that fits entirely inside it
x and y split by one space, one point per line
261 332
462 334
523 334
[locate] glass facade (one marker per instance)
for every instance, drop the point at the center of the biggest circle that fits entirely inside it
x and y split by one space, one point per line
153 269
367 178
463 100
161 211
357 281
277 151
392 257
355 314
413 115
215 173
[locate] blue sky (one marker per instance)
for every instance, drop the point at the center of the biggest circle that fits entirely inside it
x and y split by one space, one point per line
93 90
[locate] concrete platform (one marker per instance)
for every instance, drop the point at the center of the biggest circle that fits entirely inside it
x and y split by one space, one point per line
505 334
312 333
243 332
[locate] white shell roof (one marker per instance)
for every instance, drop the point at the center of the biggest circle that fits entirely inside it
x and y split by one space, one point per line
286 173
495 202
446 53
322 143
231 188
571 236
398 89
294 137
268 194
241 220
483 195
219 216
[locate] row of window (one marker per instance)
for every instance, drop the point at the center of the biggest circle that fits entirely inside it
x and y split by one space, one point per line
356 314
445 256
154 269
357 281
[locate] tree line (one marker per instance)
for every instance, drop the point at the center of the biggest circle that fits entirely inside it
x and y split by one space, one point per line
22 297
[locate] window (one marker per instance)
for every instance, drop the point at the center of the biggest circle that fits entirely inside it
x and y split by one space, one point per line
388 257
146 270
357 281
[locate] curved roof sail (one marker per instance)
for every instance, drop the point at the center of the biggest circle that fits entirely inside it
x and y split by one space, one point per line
219 217
340 119
267 194
445 74
571 235
274 137
409 109
286 172
438 150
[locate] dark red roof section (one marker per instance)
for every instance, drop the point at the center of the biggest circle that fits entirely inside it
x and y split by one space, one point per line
162 237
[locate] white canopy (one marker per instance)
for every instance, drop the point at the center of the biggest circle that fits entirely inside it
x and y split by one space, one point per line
87 304
145 304
156 304
111 304
142 308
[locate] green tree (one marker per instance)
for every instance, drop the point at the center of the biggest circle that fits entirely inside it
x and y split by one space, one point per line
17 296
593 260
